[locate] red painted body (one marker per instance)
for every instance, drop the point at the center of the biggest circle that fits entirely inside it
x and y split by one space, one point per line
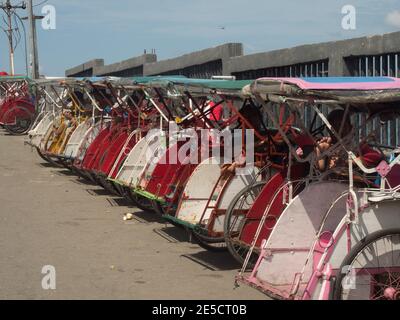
131 144
103 148
111 152
394 176
169 177
93 150
268 197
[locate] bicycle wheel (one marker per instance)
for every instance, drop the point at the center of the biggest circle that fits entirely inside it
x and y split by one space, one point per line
235 217
210 244
371 271
48 159
18 120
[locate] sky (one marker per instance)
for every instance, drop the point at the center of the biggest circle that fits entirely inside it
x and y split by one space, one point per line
121 29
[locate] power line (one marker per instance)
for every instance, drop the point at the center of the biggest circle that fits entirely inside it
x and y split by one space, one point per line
39 4
17 33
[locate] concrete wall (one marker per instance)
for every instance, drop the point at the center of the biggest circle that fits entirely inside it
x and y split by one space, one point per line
150 66
335 51
223 53
119 67
84 68
230 57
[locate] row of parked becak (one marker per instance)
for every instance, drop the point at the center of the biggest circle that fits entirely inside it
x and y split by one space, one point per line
279 172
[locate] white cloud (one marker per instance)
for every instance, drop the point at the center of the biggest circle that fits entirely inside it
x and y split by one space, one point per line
393 19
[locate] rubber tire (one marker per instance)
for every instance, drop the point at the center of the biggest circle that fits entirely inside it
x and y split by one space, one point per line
337 293
48 159
140 202
107 185
119 189
213 245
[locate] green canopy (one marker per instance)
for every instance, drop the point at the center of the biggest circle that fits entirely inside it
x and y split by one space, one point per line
156 79
197 86
236 85
15 78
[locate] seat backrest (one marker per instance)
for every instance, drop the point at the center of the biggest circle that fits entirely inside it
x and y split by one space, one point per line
394 176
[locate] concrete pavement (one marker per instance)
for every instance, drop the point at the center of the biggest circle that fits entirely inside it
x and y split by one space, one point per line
49 217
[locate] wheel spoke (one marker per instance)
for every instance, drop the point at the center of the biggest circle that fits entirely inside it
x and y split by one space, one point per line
372 265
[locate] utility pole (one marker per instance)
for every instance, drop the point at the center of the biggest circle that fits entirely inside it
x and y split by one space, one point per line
34 59
9 9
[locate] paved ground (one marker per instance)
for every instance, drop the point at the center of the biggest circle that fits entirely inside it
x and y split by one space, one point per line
48 217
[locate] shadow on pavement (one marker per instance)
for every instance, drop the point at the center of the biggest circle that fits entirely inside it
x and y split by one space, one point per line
174 234
215 261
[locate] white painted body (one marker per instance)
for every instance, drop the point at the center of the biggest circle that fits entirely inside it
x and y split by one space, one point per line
134 135
36 134
377 217
88 138
137 160
47 137
74 141
226 194
198 190
293 246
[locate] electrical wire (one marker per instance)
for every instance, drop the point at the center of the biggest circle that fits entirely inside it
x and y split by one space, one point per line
17 35
16 31
39 4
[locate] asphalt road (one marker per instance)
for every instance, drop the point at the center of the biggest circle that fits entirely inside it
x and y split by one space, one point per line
51 218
